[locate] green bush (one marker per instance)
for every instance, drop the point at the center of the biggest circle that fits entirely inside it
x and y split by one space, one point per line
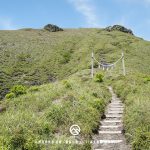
18 89
34 89
98 104
95 94
57 115
67 84
10 95
66 57
23 140
146 79
98 77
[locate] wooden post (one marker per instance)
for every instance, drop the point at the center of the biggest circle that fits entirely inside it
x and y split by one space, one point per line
103 68
92 65
99 65
123 64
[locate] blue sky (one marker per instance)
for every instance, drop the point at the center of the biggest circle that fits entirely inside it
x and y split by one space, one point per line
134 14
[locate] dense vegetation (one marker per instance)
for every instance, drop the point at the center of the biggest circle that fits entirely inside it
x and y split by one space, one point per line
34 57
49 110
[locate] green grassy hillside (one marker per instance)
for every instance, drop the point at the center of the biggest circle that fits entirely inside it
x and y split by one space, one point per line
47 112
38 57
34 57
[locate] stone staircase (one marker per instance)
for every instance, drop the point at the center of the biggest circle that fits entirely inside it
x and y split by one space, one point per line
111 135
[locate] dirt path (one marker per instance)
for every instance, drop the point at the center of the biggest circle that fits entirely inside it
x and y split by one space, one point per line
110 135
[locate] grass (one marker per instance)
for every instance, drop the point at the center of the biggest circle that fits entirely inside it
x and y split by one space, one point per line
34 57
134 91
37 57
51 110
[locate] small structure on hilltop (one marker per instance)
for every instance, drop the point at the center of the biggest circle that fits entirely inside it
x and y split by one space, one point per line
118 28
52 28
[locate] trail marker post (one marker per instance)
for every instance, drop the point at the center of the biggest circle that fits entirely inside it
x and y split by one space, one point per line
123 64
92 65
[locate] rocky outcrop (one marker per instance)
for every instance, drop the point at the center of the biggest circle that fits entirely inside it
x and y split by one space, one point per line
52 28
118 28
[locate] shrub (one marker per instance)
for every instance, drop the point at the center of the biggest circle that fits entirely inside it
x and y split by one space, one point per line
98 104
67 84
22 139
33 89
98 77
95 94
146 79
18 89
17 140
10 95
66 57
57 115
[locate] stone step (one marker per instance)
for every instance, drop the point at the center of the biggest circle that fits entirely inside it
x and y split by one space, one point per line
118 102
116 106
109 126
110 121
111 104
110 132
107 136
113 116
116 109
115 112
112 109
108 141
112 124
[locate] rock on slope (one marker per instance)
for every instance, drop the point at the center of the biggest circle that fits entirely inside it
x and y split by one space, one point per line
52 28
118 28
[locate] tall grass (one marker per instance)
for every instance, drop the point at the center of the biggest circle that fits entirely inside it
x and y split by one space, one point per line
51 110
134 91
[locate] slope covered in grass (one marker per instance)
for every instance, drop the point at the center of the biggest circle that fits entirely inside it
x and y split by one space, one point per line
34 57
51 109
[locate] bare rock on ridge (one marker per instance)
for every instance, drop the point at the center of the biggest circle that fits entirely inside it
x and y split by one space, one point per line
52 28
119 28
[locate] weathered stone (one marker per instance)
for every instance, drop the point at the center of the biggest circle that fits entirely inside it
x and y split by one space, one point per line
52 28
118 28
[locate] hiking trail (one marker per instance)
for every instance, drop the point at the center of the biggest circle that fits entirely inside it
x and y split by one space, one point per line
110 134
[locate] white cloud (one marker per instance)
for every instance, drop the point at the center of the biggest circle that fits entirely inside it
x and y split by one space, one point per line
6 24
87 10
